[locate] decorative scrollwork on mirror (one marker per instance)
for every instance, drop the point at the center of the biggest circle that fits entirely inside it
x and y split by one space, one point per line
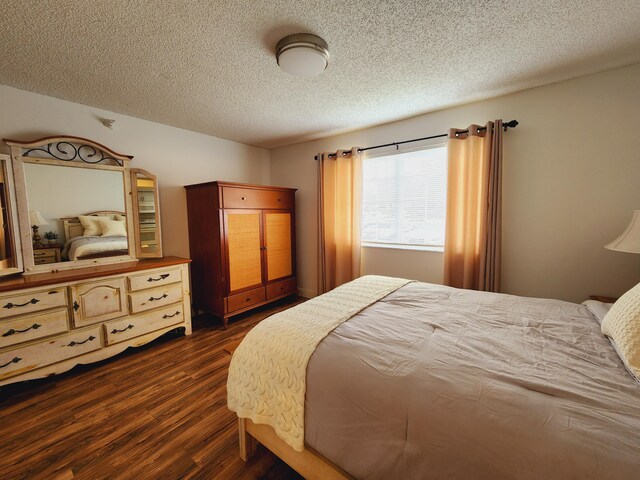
69 149
68 152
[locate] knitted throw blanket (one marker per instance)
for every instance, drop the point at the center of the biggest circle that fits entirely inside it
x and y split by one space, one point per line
268 371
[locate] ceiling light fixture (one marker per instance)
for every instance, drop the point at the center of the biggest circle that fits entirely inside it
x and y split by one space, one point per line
302 54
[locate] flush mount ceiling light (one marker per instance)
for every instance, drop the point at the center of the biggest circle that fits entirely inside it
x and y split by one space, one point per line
302 54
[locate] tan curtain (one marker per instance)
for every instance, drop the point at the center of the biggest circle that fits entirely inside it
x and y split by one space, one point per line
339 201
473 239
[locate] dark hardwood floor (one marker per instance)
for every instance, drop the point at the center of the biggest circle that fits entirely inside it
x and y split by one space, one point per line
155 412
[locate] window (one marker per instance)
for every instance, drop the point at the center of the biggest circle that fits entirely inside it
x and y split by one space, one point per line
404 199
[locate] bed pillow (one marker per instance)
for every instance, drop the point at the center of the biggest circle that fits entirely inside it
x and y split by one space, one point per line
112 228
622 325
91 225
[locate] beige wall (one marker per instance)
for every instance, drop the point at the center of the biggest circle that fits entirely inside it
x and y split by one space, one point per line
571 182
178 157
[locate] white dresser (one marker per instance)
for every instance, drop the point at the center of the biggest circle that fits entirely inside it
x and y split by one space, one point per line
51 322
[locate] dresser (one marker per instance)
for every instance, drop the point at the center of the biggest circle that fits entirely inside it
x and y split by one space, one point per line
242 242
51 322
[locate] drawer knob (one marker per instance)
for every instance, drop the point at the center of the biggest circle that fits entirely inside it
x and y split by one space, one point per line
279 199
11 331
244 198
33 301
73 343
169 316
164 295
248 299
115 330
161 277
75 306
13 360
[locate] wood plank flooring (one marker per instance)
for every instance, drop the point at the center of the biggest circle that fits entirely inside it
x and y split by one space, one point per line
155 412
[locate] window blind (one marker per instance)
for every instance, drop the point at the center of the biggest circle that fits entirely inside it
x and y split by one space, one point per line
404 199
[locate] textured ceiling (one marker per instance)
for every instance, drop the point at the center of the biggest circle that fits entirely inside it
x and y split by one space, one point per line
209 65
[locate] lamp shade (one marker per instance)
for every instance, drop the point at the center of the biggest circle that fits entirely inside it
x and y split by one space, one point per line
36 219
629 241
302 54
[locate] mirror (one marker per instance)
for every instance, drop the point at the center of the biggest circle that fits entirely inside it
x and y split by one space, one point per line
75 213
147 214
10 259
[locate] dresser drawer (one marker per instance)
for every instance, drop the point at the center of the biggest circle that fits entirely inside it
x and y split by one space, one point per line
246 299
155 297
40 354
236 197
154 279
18 304
120 330
281 288
31 327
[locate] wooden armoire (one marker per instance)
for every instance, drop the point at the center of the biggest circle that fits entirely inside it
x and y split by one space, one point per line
242 242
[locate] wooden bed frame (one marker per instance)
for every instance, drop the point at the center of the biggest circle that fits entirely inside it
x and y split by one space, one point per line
73 228
308 463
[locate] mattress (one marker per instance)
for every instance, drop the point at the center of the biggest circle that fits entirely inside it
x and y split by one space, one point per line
436 382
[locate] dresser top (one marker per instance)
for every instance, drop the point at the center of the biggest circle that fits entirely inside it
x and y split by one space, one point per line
49 278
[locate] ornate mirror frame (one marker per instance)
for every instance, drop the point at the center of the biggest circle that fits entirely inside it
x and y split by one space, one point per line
67 151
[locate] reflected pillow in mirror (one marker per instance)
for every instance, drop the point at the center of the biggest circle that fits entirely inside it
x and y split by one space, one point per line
112 228
120 218
91 225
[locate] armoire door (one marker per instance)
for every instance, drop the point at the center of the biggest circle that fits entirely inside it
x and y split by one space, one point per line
278 241
243 239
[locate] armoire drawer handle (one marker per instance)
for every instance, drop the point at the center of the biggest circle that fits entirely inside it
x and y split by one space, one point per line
164 295
13 360
115 330
169 316
33 301
279 199
12 331
75 306
73 343
161 277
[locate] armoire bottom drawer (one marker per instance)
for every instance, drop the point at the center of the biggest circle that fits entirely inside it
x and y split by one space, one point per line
41 354
130 327
281 288
244 300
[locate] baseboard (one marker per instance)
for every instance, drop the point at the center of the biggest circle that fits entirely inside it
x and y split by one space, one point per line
306 293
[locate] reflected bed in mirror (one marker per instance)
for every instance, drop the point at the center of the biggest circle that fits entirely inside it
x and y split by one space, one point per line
86 242
75 213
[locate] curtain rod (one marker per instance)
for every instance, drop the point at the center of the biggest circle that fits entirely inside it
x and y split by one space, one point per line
506 125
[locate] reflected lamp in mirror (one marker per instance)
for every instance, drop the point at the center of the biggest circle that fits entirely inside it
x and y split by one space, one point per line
37 220
629 241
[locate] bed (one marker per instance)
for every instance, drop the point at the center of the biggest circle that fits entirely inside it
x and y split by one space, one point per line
79 246
429 381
